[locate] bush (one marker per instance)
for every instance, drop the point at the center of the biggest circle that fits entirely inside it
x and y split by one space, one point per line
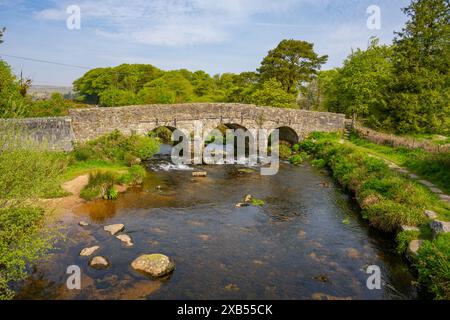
296 159
25 174
135 175
433 264
284 151
100 186
319 163
117 147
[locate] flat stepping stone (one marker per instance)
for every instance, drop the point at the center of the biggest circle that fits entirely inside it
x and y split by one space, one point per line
413 176
99 263
86 252
114 228
409 228
431 214
83 223
427 183
436 190
444 197
126 239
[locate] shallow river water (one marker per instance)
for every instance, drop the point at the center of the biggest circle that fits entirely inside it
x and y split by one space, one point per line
306 242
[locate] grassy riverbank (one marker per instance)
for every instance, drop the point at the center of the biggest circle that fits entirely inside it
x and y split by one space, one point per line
433 167
28 174
389 201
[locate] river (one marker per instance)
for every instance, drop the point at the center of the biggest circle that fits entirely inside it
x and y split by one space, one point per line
307 242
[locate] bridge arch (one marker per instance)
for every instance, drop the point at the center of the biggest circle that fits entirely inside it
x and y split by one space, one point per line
287 134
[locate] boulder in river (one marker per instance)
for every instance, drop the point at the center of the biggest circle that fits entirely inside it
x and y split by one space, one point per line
126 239
99 263
241 205
155 265
199 174
86 252
248 198
114 228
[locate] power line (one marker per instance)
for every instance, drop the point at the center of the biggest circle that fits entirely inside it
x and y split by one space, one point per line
46 61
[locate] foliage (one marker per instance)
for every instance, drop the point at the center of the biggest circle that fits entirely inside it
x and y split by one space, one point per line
285 151
291 63
257 202
117 147
433 264
25 173
435 167
134 176
360 86
420 93
100 186
389 200
272 94
296 159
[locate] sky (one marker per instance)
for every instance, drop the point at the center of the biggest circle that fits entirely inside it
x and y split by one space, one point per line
216 36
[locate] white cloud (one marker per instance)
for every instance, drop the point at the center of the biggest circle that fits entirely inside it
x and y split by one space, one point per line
169 22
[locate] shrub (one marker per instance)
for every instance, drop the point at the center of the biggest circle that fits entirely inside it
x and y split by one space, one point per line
319 163
388 215
296 148
284 151
296 159
117 147
433 264
135 175
100 185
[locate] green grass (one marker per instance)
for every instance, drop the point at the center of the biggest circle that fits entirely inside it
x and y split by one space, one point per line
432 167
389 200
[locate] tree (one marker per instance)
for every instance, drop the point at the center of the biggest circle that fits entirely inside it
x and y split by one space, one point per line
361 85
292 63
272 94
420 94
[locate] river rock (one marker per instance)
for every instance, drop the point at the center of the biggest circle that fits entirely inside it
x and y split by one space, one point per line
86 252
199 174
438 227
99 263
155 265
248 198
114 228
83 223
431 214
241 205
409 228
413 247
126 239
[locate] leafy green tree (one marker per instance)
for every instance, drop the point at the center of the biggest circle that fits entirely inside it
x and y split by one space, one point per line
272 94
113 97
360 86
12 103
420 93
292 63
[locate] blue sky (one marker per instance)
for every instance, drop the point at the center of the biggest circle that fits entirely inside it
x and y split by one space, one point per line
213 35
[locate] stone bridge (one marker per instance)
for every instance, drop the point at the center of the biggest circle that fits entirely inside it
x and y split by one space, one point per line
86 124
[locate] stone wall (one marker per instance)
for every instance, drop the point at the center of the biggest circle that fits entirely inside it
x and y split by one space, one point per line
53 133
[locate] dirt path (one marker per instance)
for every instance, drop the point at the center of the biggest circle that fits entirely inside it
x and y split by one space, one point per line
74 187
